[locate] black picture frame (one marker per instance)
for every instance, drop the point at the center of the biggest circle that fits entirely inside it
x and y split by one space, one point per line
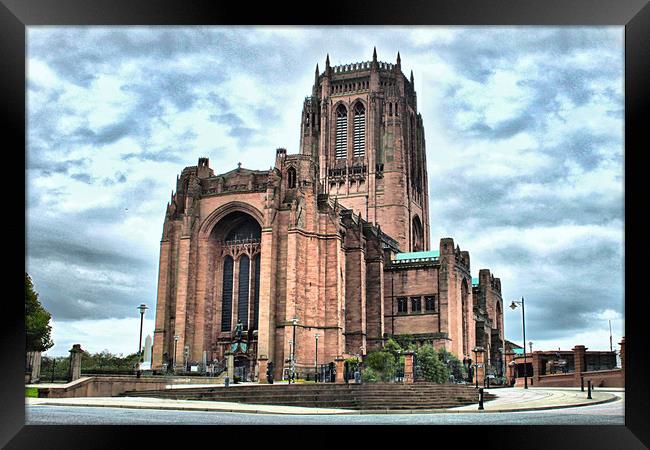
15 15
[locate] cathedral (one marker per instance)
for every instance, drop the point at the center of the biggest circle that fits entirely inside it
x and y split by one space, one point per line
326 254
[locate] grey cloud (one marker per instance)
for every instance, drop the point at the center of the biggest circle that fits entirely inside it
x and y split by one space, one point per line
83 177
71 241
167 155
560 286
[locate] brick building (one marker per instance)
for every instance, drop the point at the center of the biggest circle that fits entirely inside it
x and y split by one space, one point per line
336 236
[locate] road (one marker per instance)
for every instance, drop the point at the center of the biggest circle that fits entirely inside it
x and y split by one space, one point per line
604 414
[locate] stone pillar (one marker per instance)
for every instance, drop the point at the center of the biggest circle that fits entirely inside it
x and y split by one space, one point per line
262 365
510 372
34 363
266 321
339 369
161 338
622 344
75 362
479 353
409 368
579 362
231 367
537 366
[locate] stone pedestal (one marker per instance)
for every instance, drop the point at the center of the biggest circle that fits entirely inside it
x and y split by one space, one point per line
409 368
339 369
75 362
231 367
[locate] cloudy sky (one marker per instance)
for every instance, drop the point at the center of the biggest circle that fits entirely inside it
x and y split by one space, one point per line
524 134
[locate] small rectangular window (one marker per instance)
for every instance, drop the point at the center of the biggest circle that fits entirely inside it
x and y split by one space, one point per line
416 304
430 303
401 305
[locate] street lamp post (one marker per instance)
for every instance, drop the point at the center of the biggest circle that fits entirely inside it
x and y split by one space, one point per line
176 338
316 360
513 306
475 350
294 321
142 308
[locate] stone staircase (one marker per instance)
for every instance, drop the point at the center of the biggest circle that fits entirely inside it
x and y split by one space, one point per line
371 396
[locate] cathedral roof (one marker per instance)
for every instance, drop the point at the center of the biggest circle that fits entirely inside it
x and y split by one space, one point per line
417 255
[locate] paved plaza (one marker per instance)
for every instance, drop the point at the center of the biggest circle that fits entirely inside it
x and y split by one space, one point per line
513 406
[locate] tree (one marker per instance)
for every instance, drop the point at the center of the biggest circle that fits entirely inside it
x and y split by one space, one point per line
432 368
392 346
454 365
37 320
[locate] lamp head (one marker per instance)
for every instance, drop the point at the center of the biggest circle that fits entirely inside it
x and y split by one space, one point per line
142 308
513 305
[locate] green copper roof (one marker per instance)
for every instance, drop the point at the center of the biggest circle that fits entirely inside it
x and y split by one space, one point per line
474 281
417 255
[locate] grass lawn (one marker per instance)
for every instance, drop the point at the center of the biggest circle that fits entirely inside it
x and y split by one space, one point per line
31 392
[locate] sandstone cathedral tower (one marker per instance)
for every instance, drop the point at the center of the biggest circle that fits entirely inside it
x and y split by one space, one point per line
332 241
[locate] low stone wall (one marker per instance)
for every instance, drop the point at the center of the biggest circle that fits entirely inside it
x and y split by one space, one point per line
557 380
606 378
600 378
117 385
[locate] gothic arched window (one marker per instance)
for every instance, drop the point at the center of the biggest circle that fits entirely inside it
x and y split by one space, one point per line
226 295
417 235
359 130
242 298
256 293
341 132
291 178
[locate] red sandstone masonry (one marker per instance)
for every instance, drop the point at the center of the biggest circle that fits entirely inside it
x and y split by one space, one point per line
327 270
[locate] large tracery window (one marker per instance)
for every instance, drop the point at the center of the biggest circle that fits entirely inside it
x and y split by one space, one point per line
226 302
242 297
256 290
359 130
341 132
241 282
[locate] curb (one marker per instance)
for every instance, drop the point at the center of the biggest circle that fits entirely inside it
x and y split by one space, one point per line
340 412
196 408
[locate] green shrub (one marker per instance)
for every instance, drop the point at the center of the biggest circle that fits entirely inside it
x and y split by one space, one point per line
383 365
369 376
432 368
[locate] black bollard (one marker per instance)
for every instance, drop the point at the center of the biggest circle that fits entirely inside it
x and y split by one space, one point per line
488 382
589 389
480 399
582 383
